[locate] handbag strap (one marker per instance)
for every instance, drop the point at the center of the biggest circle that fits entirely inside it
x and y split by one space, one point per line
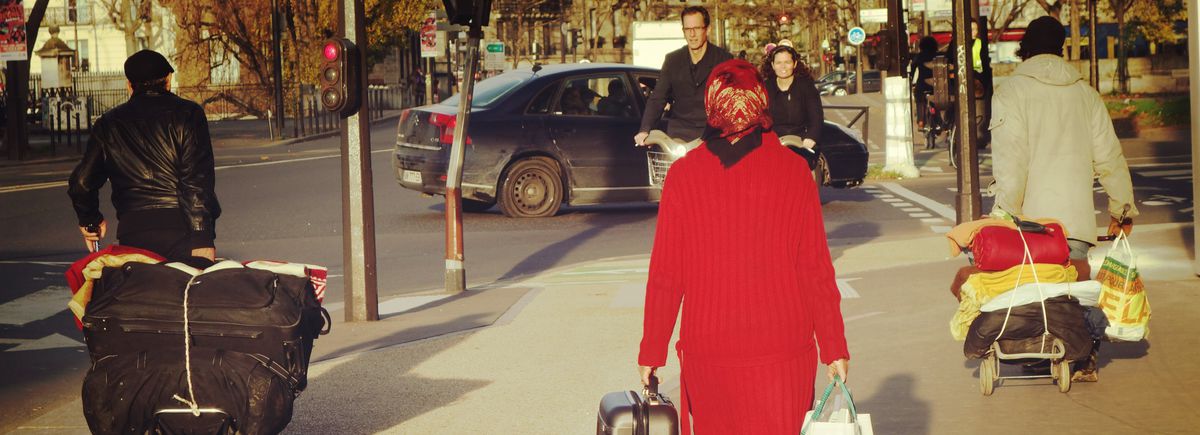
837 380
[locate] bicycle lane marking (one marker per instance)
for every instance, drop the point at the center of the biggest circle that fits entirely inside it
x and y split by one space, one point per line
939 224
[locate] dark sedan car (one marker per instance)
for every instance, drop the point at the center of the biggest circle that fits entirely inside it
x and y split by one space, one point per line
555 134
845 82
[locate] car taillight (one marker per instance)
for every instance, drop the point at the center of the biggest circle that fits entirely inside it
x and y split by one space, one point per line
446 124
400 125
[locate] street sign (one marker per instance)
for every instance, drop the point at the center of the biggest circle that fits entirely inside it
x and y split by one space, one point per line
917 5
493 56
985 8
879 15
939 8
857 35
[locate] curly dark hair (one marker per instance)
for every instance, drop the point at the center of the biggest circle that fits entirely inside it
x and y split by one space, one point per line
768 72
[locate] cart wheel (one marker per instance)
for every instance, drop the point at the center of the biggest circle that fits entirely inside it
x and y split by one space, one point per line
987 374
1064 376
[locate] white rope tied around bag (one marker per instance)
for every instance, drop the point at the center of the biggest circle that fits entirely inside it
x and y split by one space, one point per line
187 354
1013 294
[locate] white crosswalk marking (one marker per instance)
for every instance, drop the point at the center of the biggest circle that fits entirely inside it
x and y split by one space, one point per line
846 289
35 306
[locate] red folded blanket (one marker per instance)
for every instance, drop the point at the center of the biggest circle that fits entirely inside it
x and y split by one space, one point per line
999 248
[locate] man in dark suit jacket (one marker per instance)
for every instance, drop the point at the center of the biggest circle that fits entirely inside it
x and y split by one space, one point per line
684 73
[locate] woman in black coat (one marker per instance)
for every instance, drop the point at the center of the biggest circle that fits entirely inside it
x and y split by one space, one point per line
795 104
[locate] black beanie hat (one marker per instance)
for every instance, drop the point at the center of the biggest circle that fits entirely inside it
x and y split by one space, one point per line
1044 35
145 66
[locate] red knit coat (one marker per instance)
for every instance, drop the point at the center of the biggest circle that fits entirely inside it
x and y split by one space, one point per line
743 250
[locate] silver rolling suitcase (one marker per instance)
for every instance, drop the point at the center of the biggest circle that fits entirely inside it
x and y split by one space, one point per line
630 413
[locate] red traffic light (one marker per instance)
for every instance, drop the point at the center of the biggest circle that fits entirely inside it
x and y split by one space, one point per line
339 78
331 51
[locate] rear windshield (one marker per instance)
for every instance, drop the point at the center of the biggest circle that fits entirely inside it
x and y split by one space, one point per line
491 89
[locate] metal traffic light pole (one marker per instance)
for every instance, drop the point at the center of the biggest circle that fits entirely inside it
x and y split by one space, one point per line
358 197
968 201
456 275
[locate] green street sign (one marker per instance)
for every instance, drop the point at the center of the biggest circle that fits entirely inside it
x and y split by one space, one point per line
495 47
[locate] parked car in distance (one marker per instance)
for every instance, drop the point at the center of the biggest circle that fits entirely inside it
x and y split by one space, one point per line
845 82
559 134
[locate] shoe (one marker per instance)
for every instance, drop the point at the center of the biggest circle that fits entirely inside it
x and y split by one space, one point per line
1085 371
1085 376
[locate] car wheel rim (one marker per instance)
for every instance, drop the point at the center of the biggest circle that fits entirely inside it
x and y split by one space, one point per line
531 192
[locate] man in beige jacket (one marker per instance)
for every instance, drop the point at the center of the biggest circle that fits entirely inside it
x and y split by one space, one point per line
1051 136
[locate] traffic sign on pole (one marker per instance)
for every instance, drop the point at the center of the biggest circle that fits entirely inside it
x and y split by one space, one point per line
879 15
493 57
856 35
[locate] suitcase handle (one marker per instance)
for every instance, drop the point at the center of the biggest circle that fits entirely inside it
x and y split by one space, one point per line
328 322
651 391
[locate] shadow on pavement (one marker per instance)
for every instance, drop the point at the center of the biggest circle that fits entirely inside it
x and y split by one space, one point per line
1188 233
1115 351
466 311
350 394
895 405
553 254
850 235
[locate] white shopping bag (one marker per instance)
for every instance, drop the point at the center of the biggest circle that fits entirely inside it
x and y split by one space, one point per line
843 420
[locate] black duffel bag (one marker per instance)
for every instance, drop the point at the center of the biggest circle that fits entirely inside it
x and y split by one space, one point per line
244 323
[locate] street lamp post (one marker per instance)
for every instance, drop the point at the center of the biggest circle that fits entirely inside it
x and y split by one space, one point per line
1194 76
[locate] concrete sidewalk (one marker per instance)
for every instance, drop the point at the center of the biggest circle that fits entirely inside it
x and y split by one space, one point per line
535 356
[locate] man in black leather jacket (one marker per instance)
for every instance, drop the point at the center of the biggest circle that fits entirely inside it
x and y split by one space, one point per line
156 150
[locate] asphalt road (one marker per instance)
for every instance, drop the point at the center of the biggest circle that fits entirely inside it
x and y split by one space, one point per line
285 204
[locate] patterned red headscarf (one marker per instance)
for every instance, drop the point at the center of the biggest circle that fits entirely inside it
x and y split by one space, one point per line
736 100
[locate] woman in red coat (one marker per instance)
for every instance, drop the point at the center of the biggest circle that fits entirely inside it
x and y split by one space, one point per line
740 245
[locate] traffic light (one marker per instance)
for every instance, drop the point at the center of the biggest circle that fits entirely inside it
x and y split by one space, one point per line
468 12
341 82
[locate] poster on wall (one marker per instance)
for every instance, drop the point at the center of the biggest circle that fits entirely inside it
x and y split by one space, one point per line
12 31
433 42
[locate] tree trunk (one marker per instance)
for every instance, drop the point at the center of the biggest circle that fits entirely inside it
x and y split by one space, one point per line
16 137
1122 55
129 26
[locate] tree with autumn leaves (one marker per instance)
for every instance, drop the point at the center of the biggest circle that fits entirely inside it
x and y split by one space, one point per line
212 33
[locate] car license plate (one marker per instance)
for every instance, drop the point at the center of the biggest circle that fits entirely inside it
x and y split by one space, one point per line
411 176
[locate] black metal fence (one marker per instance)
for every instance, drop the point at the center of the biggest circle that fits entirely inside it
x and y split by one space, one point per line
314 119
64 116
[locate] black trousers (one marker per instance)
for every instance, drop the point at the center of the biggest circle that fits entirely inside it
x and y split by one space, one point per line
173 244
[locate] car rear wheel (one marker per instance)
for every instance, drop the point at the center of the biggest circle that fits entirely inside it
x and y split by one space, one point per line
839 91
473 206
532 188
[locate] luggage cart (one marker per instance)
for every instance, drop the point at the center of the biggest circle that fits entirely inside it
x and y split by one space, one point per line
1060 368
